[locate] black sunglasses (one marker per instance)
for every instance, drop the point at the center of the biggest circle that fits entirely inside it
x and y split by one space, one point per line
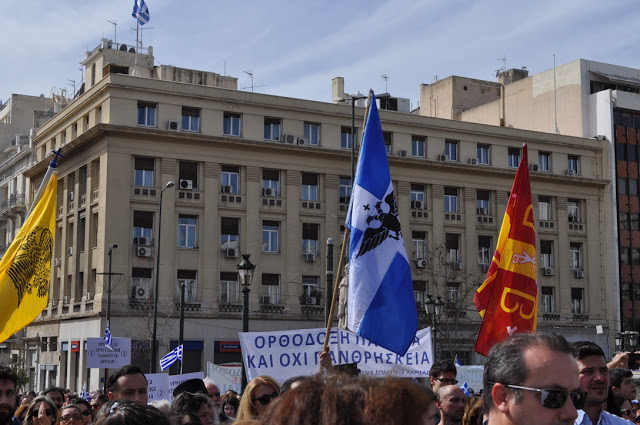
34 413
554 398
626 412
266 399
87 412
447 381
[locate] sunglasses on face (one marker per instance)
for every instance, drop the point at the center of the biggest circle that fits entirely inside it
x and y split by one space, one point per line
34 413
68 418
447 381
627 412
86 412
555 398
266 399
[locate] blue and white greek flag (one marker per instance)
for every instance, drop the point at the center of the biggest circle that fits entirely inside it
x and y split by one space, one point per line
171 358
141 11
465 388
457 362
107 338
84 394
382 306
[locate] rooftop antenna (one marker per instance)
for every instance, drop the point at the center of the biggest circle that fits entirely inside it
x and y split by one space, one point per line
555 101
72 83
115 32
250 74
503 69
385 77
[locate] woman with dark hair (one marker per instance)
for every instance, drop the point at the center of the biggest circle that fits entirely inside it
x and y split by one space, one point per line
130 413
85 409
619 405
41 411
230 405
185 419
257 396
198 404
69 414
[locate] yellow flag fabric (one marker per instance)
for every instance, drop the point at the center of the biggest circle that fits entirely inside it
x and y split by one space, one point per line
25 269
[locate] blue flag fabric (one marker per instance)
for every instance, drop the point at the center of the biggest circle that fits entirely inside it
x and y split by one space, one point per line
107 338
465 388
173 356
382 306
457 362
141 12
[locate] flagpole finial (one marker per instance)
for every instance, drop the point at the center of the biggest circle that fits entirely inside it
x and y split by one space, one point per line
54 161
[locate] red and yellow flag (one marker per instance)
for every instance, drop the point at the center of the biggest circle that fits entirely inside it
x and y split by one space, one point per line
508 299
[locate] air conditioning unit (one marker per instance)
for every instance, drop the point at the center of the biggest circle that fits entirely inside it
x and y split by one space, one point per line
402 153
54 302
473 161
265 300
569 172
548 271
226 189
186 184
71 196
457 265
231 253
173 125
289 138
142 241
309 257
579 274
311 301
302 141
481 211
65 299
421 263
56 262
442 157
533 167
140 293
89 296
70 250
143 251
417 204
267 191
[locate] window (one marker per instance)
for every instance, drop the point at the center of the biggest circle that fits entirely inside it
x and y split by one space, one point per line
147 114
271 183
387 136
272 128
577 300
621 151
190 119
546 254
544 208
573 163
189 278
633 187
143 225
93 239
513 157
188 175
309 187
573 210
623 221
311 290
141 288
544 161
418 197
310 237
575 254
483 154
483 202
418 144
229 231
270 230
345 190
232 123
420 292
270 293
82 224
632 153
229 288
453 294
419 240
484 250
452 246
187 231
230 179
143 171
93 75
345 137
312 133
548 300
451 150
451 199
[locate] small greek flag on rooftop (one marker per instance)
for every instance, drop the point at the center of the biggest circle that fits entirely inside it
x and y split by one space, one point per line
140 11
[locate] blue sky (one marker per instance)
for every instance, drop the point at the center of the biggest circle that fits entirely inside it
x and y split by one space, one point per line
295 48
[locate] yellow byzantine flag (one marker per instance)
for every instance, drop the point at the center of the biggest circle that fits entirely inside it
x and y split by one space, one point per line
25 268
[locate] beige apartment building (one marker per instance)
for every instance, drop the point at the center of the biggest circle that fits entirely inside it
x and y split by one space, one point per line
269 176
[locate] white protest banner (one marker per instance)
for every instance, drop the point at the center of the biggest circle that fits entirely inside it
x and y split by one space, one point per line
157 386
226 376
99 355
472 375
175 380
284 354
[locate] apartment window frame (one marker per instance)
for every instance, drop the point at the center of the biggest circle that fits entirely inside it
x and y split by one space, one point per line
272 128
144 171
547 299
270 288
271 180
229 288
312 133
451 150
310 238
270 237
310 187
387 137
232 124
190 119
229 233
418 194
419 242
418 146
573 163
545 210
513 157
190 278
483 154
546 253
544 161
483 203
230 176
454 295
187 231
485 249
576 260
345 137
451 204
345 189
147 114
143 218
577 300
188 170
452 248
574 210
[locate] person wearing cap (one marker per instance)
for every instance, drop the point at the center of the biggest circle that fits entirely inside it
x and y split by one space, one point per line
128 382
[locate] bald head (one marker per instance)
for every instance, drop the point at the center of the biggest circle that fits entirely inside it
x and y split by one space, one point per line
451 404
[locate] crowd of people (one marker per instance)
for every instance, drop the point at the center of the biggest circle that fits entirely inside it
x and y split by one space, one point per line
528 379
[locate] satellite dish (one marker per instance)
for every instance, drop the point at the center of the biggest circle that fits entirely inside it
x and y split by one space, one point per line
123 48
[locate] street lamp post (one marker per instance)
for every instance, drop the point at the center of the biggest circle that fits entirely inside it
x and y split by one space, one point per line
154 349
353 98
434 309
245 276
109 253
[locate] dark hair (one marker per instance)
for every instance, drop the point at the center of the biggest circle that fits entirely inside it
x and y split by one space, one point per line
53 389
66 406
506 365
286 385
442 366
185 419
77 401
614 404
189 402
124 370
617 375
582 349
6 373
126 412
231 400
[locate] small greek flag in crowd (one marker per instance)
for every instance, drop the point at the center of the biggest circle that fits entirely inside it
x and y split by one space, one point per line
169 359
140 11
458 362
107 338
84 394
465 388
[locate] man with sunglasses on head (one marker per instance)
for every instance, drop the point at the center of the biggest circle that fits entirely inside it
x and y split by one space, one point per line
594 379
532 379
